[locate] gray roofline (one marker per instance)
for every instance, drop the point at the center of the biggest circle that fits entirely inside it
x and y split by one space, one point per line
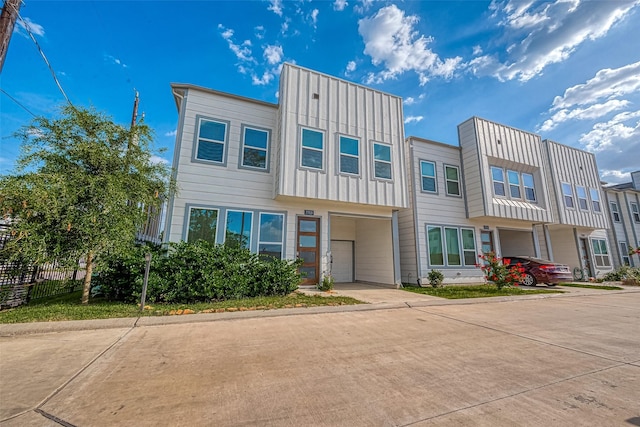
186 86
430 141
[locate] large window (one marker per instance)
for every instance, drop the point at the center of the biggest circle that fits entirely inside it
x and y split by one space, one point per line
312 154
238 229
581 194
514 184
428 176
211 140
529 187
270 240
451 246
634 211
600 253
595 199
382 161
452 177
255 148
203 224
349 155
615 211
497 175
624 253
567 193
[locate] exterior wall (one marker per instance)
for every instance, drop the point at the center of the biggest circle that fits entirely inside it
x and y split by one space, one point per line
565 249
626 229
485 144
577 168
374 260
407 226
336 107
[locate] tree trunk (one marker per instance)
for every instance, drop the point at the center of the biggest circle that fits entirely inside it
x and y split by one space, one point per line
87 279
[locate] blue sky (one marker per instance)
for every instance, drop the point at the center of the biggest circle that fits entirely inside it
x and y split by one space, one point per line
566 69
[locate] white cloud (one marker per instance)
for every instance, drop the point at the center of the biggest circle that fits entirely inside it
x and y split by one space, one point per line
477 50
412 119
409 101
266 78
592 112
363 6
171 133
242 51
351 66
273 54
618 133
538 34
26 23
615 176
314 17
115 60
276 7
391 40
339 5
259 32
158 160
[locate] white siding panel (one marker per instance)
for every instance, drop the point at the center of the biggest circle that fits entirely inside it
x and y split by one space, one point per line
374 259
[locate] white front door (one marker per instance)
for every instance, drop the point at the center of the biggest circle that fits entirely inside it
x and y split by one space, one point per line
342 268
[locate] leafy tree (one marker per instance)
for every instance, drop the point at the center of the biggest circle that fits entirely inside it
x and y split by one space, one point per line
80 189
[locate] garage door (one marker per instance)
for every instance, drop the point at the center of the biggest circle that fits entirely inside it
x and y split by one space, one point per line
342 268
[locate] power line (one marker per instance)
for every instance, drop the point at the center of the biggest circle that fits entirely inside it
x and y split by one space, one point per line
17 102
53 73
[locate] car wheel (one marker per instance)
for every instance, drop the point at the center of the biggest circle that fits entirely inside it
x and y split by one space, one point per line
528 280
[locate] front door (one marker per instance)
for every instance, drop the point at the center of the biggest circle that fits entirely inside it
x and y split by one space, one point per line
486 238
308 249
586 263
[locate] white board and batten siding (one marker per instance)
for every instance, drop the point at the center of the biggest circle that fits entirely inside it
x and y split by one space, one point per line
485 144
335 107
577 168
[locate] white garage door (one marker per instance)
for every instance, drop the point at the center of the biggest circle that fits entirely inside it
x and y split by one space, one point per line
342 268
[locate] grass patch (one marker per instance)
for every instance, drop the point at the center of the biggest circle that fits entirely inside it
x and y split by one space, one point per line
68 307
476 291
580 285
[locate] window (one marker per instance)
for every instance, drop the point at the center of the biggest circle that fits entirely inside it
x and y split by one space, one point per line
312 149
434 237
581 193
255 148
624 253
452 177
349 155
271 235
203 224
514 184
567 192
600 253
238 232
428 175
456 248
595 199
382 161
634 211
211 140
497 175
529 187
615 212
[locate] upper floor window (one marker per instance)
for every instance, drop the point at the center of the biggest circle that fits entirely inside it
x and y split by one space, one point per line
312 152
428 176
203 225
211 140
255 148
595 199
452 177
497 175
382 161
349 155
615 212
567 192
529 187
514 184
634 211
581 193
600 253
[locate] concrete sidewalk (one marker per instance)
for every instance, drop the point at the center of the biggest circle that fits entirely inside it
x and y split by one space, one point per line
555 361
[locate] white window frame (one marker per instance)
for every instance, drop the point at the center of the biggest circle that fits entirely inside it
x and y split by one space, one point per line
260 241
341 154
596 205
473 232
582 200
446 247
526 187
434 177
601 260
565 195
223 142
442 247
303 148
625 259
635 212
226 224
389 162
514 185
494 181
447 180
188 221
615 211
244 146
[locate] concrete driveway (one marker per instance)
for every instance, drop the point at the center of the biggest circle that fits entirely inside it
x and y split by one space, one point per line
554 361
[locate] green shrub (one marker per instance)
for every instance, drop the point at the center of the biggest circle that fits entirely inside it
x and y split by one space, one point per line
327 283
435 278
623 273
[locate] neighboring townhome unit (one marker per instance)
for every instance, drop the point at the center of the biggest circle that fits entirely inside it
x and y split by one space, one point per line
318 176
623 201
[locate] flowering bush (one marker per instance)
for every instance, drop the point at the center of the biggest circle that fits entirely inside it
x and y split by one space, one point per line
633 251
499 270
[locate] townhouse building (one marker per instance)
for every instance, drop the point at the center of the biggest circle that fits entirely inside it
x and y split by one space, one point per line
318 176
623 201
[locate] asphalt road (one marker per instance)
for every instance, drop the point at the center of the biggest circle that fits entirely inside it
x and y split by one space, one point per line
566 361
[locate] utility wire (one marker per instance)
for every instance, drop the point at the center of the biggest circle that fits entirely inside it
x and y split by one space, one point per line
17 102
53 73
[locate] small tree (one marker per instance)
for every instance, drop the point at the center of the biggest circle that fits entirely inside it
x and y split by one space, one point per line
80 189
500 271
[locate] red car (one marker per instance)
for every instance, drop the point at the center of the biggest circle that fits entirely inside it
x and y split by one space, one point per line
538 270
